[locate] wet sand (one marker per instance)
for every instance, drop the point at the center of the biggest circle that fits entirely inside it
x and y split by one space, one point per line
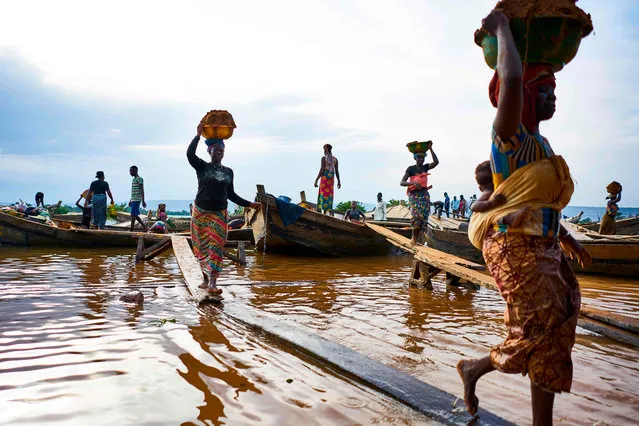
71 352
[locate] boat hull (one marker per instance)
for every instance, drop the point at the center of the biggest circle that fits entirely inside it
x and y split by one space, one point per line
612 258
313 233
19 231
628 226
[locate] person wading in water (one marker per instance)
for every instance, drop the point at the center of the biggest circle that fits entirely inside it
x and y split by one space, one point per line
534 278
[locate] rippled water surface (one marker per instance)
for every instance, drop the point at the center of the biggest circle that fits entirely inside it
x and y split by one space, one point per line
72 353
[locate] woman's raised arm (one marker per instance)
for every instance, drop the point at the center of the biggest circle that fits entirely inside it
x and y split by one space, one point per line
509 69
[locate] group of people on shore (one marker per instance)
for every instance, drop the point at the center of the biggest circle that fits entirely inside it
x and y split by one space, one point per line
458 208
94 207
93 203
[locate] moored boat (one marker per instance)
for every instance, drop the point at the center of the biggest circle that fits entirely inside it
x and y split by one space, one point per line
22 231
179 224
301 231
612 257
627 226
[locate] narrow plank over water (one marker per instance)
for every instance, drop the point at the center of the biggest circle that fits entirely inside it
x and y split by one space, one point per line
191 269
419 395
615 326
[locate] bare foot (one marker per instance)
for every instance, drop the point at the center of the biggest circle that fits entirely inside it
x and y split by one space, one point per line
413 242
214 290
465 368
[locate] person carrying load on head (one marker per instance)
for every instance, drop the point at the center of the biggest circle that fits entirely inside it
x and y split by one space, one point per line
608 224
416 179
209 216
526 260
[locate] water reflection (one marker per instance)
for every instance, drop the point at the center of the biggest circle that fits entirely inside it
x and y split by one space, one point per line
65 337
202 375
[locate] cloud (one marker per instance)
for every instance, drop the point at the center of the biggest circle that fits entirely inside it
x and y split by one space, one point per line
365 76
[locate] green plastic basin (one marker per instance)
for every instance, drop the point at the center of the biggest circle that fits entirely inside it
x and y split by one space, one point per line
553 40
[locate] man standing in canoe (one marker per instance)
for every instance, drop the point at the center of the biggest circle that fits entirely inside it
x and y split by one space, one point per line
209 216
137 197
329 170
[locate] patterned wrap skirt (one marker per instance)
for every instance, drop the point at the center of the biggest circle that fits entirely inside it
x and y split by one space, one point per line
419 206
542 305
99 210
209 231
326 189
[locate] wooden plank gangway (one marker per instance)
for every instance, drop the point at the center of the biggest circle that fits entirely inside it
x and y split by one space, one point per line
189 266
417 394
430 262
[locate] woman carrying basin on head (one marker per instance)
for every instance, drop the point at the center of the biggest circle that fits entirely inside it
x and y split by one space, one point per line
415 178
209 215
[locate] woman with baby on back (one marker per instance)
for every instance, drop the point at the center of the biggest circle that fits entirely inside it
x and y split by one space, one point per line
520 234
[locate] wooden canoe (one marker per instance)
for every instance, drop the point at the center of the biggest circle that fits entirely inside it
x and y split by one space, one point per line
124 221
312 233
609 257
25 232
628 226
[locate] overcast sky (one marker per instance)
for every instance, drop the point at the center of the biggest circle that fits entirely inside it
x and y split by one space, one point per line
88 86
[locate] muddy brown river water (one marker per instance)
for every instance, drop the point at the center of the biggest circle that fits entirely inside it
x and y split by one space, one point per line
72 353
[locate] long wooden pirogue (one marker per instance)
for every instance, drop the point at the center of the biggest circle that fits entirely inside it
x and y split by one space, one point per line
611 255
628 226
25 232
615 326
124 221
311 232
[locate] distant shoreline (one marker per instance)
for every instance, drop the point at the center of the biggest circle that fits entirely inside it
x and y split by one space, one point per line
175 207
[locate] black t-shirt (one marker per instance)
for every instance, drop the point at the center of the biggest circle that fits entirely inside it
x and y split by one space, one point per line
99 186
414 170
214 183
